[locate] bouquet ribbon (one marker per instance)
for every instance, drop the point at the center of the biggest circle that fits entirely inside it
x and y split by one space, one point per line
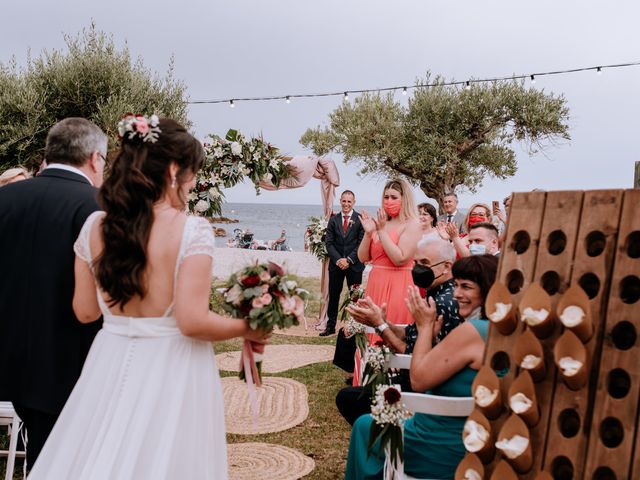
251 373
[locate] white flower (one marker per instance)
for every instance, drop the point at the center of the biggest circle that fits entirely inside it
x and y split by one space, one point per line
274 163
192 196
291 284
217 152
236 148
245 171
251 148
201 206
256 156
234 295
267 177
154 120
214 193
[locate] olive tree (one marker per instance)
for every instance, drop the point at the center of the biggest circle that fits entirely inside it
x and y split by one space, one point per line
93 79
447 137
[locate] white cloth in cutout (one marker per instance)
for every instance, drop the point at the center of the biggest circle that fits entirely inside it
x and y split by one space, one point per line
148 404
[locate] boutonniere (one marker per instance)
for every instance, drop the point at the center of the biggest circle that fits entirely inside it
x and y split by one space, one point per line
350 223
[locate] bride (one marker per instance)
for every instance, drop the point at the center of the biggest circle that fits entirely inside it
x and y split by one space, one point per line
148 404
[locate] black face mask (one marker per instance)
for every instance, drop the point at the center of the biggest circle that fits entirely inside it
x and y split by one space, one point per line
423 276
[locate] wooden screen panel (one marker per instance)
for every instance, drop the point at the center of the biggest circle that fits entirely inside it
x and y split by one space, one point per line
615 411
553 272
516 269
592 264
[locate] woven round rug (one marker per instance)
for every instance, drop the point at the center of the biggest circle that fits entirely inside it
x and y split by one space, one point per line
265 461
280 358
282 404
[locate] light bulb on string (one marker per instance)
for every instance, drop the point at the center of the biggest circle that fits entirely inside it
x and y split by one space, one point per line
404 91
288 99
346 97
468 85
533 79
231 104
599 70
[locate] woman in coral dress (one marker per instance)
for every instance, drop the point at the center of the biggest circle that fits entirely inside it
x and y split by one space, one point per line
389 243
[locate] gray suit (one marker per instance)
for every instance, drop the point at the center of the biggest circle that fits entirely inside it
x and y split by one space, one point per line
458 219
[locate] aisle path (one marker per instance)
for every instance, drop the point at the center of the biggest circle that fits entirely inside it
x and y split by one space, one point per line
279 358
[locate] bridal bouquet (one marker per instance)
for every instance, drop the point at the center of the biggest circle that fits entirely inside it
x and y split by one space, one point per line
316 235
267 298
389 415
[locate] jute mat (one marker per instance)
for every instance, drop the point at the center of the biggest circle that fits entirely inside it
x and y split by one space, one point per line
265 461
282 404
279 358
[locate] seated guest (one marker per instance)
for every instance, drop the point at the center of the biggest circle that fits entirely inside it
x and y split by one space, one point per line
433 444
483 238
432 271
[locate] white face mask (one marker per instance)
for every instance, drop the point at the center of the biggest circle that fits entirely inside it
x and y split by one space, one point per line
477 249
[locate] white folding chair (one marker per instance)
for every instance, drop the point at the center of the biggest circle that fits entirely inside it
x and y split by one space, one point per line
427 403
10 419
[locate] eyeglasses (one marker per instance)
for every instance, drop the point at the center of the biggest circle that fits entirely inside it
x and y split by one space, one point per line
103 156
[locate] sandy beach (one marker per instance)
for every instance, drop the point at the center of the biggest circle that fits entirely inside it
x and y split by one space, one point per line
229 260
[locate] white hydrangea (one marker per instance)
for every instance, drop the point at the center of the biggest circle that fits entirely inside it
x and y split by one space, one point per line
201 206
236 149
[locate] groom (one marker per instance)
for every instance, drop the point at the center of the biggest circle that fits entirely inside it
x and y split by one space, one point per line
344 234
42 344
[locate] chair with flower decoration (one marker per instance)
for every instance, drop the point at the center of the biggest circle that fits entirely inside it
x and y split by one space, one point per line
427 403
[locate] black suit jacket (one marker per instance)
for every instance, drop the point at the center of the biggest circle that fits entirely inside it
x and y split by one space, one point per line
42 344
344 245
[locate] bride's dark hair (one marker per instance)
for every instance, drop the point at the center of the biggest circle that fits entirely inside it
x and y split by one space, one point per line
138 179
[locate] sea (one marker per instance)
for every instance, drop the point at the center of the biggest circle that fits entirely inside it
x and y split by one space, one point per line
267 220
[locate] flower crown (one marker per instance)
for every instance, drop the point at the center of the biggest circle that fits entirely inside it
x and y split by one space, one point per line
138 125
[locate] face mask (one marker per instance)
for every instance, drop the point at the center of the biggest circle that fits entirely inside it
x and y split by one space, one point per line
477 249
474 219
423 276
392 207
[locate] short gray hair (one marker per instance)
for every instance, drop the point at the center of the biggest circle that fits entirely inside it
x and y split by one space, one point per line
445 249
72 140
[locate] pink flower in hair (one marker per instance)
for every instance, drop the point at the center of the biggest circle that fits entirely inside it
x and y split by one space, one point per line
142 127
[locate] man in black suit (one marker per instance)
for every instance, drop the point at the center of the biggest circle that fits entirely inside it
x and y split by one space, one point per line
344 234
42 344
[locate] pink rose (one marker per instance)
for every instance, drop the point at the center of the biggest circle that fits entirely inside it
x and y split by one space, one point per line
257 302
265 289
266 299
264 276
142 126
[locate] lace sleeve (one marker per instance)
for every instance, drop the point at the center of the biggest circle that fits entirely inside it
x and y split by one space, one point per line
201 240
81 246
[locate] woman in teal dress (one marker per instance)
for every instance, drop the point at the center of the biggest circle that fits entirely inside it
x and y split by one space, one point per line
432 443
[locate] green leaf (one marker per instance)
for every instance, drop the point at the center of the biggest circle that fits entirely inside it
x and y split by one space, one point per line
231 135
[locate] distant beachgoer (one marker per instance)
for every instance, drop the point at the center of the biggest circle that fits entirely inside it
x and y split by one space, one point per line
281 243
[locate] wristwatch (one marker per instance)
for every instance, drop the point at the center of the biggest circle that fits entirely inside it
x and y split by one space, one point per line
381 328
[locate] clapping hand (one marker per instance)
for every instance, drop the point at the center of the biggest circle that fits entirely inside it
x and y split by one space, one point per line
442 230
423 311
452 230
368 224
367 312
381 221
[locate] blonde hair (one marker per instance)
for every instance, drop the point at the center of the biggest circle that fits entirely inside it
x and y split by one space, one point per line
408 208
471 209
8 175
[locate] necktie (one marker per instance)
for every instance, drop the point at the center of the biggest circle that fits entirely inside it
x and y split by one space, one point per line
449 217
345 223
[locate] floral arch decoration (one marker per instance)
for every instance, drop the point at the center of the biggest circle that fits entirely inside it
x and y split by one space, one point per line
227 162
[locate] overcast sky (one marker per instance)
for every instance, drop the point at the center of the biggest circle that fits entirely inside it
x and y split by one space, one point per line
275 47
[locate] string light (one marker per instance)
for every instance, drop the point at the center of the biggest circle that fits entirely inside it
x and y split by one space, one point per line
465 83
288 99
533 79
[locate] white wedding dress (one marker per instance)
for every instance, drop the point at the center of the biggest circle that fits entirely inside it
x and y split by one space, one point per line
148 404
